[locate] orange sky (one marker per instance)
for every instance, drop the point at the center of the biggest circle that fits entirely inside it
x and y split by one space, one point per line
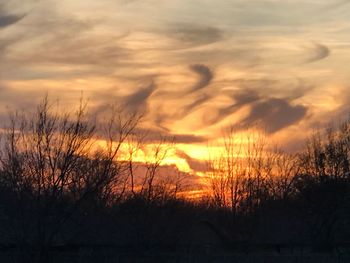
195 67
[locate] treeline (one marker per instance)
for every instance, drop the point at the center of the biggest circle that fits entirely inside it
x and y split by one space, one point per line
284 198
61 188
250 171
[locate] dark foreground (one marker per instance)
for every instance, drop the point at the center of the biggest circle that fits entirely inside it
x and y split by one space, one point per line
110 256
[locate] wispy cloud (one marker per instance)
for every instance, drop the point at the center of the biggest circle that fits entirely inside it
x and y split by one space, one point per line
138 101
195 164
243 62
318 52
194 35
265 111
273 115
7 19
205 76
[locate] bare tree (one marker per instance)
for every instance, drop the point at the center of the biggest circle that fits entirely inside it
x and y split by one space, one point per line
226 172
150 188
323 184
134 144
249 172
49 162
328 155
282 171
217 181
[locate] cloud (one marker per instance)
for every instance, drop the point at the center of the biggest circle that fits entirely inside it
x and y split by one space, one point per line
138 101
337 4
18 99
189 108
21 100
195 35
244 97
205 76
273 114
4 44
83 43
68 40
156 136
318 52
195 164
189 138
257 52
8 19
290 88
199 101
241 98
77 50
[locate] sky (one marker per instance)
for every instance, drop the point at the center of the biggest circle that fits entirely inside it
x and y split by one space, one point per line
194 67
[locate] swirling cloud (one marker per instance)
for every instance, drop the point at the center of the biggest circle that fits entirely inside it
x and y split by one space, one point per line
7 19
138 101
195 35
318 52
205 76
273 115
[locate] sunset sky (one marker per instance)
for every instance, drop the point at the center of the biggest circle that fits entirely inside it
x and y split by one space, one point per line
193 66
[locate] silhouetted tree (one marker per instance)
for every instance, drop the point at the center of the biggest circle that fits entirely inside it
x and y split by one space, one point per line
50 165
